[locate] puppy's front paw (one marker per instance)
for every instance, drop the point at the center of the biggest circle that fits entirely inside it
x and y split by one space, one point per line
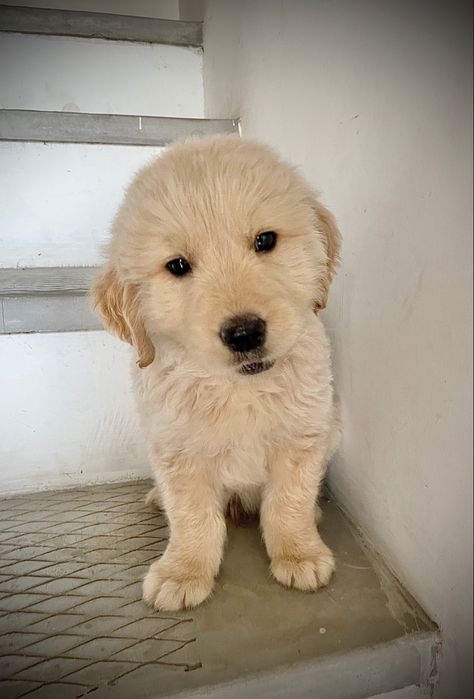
169 587
304 572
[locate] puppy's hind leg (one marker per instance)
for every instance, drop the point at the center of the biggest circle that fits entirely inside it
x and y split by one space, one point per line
154 497
242 508
334 440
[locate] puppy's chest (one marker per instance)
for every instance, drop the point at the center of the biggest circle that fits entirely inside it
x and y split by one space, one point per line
234 421
236 431
215 420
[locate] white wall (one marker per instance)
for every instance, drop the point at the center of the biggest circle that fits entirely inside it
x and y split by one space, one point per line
373 100
191 10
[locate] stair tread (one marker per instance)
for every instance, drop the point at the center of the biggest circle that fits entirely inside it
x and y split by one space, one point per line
99 25
46 299
119 129
45 280
361 636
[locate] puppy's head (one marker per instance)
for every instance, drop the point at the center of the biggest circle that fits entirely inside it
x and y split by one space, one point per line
222 249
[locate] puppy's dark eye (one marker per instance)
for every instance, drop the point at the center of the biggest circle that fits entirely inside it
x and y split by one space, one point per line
265 241
179 267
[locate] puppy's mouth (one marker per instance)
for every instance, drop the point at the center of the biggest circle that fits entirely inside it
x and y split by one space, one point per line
251 368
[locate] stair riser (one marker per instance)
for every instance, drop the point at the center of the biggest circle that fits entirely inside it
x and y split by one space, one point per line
81 75
58 200
67 411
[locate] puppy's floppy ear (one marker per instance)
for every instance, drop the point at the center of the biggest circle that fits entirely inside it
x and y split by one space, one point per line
325 225
118 304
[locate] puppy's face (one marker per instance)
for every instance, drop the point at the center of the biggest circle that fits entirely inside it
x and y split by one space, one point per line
224 251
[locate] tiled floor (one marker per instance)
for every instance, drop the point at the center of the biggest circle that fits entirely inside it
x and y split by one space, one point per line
72 621
72 618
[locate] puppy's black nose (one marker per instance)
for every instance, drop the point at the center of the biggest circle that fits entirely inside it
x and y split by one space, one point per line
243 333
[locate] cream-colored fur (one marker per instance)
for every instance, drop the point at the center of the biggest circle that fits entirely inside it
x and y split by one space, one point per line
212 431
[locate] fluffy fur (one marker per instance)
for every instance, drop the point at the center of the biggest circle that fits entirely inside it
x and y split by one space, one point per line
214 433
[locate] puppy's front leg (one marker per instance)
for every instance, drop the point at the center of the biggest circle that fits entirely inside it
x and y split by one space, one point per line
299 557
184 575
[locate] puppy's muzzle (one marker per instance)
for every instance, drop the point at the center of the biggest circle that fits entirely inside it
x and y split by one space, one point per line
244 333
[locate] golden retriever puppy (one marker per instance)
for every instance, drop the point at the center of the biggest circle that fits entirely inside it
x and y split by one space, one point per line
219 256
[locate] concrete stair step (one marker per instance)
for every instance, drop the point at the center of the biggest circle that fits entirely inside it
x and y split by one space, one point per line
99 25
63 179
105 129
46 299
68 74
73 619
